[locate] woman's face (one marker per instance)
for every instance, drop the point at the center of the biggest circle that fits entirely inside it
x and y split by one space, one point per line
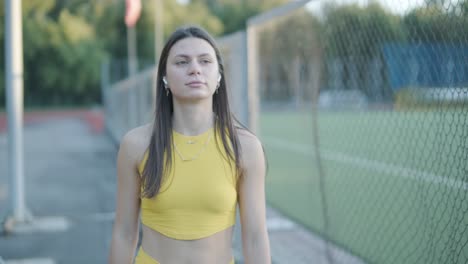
192 70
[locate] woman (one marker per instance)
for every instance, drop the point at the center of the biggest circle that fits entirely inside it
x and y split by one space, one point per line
189 169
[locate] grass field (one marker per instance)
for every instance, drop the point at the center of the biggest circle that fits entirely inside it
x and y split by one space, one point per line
396 183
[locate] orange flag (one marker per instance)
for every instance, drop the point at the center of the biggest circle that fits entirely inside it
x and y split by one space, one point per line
132 12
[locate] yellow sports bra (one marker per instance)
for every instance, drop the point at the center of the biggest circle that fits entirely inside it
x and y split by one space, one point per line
198 197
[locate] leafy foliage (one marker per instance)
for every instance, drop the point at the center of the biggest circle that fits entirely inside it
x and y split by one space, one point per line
65 42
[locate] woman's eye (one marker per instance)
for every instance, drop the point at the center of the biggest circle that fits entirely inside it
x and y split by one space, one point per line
205 61
181 62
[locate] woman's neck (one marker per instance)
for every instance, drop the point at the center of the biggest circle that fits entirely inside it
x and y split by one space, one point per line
193 119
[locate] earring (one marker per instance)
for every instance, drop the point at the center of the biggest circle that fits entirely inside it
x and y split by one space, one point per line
165 85
217 86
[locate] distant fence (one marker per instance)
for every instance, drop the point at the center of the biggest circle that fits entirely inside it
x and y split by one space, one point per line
128 103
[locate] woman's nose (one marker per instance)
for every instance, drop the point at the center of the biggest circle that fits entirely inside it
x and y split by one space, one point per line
194 68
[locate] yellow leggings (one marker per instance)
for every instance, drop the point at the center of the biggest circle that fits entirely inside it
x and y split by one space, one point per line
143 258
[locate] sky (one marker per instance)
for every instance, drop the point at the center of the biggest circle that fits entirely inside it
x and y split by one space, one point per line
395 6
183 2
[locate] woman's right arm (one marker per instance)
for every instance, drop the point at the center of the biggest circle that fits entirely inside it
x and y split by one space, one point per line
125 228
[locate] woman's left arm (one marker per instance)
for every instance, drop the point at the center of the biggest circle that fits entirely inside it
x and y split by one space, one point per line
255 242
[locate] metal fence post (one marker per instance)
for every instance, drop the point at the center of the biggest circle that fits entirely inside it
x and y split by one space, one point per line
14 90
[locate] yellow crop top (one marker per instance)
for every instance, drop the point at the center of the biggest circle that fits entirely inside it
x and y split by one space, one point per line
198 198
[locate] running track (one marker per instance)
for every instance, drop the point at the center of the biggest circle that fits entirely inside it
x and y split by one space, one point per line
93 118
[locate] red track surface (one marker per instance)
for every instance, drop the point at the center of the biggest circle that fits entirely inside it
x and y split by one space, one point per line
94 119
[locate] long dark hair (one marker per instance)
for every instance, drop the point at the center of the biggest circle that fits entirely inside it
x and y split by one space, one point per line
160 152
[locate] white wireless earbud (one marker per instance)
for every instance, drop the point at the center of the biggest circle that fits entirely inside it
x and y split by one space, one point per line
219 77
164 80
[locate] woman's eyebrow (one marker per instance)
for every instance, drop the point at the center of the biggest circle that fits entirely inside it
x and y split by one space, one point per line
187 56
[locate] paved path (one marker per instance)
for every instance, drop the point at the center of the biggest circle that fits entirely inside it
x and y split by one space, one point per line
70 185
70 175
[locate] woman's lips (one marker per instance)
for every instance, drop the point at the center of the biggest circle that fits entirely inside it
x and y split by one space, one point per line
195 84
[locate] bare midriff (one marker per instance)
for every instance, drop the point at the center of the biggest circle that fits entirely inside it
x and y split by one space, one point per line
214 249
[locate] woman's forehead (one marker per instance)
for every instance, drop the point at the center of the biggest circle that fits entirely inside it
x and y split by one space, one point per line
191 47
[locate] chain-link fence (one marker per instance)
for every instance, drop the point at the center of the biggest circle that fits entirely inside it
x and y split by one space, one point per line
364 115
128 103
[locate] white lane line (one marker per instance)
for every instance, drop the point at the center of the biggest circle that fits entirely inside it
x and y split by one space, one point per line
279 224
29 261
102 217
40 224
374 165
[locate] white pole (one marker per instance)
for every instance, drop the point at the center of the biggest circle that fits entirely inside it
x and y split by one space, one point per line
158 41
158 29
252 78
132 51
14 89
132 71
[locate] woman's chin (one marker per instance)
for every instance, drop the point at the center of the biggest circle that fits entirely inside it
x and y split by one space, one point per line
194 97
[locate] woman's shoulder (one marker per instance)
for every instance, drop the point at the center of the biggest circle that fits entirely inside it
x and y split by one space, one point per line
250 144
246 137
136 141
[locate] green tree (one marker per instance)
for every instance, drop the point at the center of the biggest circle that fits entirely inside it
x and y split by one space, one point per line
112 31
353 38
2 57
291 55
235 13
66 41
61 57
463 7
433 24
351 30
174 15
